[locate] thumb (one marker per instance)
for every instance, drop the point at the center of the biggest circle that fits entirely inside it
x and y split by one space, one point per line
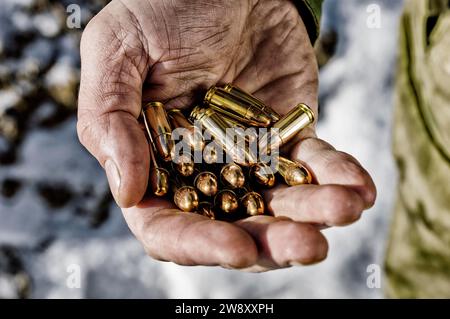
109 105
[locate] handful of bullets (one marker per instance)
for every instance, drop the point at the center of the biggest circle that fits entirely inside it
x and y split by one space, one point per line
242 128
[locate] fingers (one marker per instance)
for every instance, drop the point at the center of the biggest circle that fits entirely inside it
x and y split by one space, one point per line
284 243
343 192
189 239
331 205
113 66
333 167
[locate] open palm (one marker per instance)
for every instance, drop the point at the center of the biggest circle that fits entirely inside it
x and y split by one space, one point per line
171 51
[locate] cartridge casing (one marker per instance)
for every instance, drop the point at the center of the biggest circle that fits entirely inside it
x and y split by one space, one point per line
191 134
293 172
159 181
286 128
241 94
236 108
217 127
241 130
159 177
160 129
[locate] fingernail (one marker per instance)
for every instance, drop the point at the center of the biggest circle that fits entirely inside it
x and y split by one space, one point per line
113 175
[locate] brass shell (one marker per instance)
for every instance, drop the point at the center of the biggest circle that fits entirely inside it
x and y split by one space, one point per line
192 134
159 181
253 204
287 127
232 175
227 201
236 108
160 130
293 172
262 174
239 93
217 127
184 164
186 199
206 183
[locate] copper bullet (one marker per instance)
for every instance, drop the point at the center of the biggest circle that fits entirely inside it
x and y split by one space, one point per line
184 164
160 130
294 173
185 198
206 209
239 93
287 127
191 134
262 174
236 108
253 204
217 127
159 177
227 201
232 175
206 183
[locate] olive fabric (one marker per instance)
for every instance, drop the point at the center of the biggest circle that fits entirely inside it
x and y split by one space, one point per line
418 256
310 11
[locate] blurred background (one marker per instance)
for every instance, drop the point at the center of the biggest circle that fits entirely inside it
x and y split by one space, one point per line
55 205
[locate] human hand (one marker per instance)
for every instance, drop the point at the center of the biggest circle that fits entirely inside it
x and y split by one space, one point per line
167 51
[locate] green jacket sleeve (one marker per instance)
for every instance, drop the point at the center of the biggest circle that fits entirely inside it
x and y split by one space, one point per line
310 11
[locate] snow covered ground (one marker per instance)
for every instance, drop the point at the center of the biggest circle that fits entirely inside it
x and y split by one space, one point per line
55 208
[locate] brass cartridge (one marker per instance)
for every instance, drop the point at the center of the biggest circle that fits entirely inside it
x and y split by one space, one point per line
262 174
241 130
293 172
159 177
206 183
184 164
227 201
253 204
185 198
238 109
286 128
241 94
160 130
232 176
217 127
193 135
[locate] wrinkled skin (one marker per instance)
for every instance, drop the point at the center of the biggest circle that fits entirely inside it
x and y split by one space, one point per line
159 50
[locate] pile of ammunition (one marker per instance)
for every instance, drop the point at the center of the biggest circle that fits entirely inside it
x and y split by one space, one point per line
206 184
